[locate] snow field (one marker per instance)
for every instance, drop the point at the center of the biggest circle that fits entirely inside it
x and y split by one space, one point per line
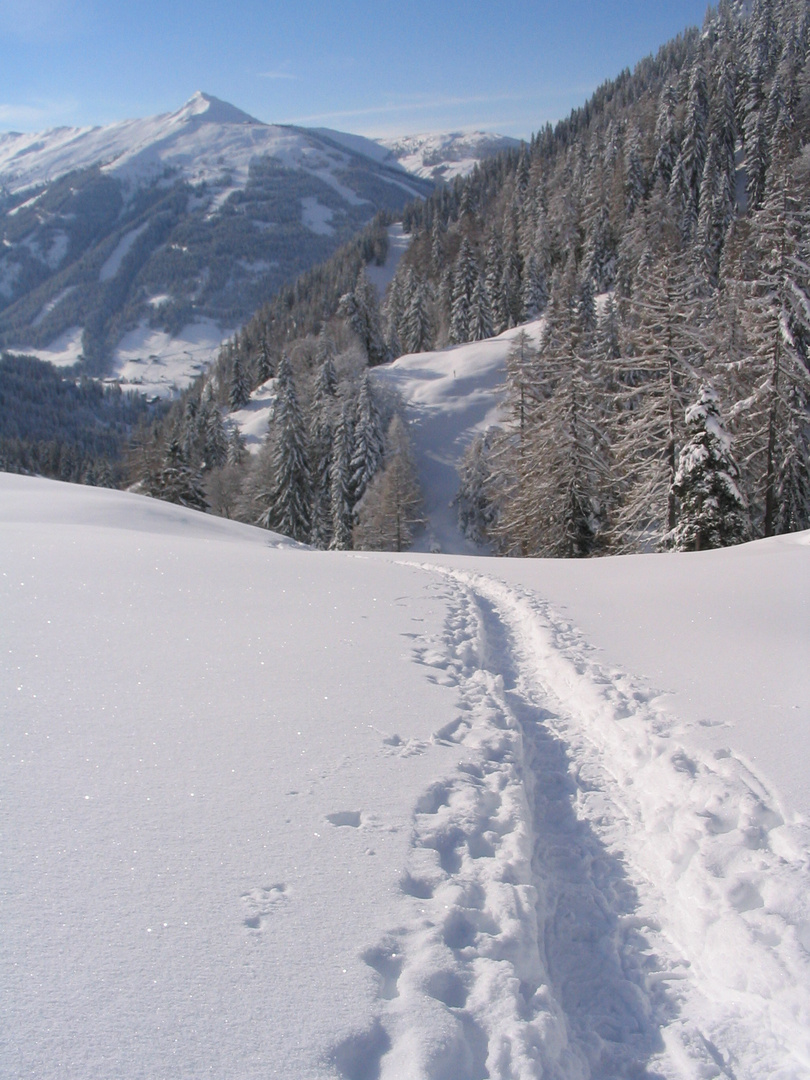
333 816
207 780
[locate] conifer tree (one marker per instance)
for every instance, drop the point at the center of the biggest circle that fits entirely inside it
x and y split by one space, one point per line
522 378
465 276
660 350
368 446
239 393
793 487
775 380
341 502
534 291
214 436
417 335
389 511
237 450
288 501
361 308
493 273
178 481
636 183
666 135
480 326
712 511
476 507
321 438
264 362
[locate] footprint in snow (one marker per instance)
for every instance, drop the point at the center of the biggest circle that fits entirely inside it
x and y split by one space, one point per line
395 745
260 904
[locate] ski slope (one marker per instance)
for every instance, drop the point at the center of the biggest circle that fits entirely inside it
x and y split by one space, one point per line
276 812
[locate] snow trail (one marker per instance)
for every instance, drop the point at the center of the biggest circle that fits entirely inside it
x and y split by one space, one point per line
590 898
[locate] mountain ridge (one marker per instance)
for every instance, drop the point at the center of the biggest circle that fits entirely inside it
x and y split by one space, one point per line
155 238
121 241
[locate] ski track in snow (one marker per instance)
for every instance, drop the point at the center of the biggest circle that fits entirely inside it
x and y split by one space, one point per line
589 899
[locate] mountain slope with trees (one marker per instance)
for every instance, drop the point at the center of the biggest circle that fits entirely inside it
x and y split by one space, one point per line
661 232
163 222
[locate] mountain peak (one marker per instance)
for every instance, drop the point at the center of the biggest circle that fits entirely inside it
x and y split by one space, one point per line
206 108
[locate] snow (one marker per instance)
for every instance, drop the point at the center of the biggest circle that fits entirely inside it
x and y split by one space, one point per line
205 141
359 144
155 363
445 155
272 811
316 216
112 264
46 309
451 395
252 420
382 276
9 273
64 351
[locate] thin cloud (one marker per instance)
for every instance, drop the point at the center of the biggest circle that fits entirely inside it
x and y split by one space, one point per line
407 106
278 75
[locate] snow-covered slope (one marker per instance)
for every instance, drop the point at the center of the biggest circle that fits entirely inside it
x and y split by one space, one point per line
269 811
446 155
172 230
201 140
451 395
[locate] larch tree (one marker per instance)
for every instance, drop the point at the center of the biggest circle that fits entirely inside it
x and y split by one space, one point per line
341 501
390 509
774 389
656 371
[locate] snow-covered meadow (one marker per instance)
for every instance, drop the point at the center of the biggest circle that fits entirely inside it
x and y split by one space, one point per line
275 812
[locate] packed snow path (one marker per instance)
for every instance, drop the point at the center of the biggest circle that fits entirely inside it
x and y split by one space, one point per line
588 899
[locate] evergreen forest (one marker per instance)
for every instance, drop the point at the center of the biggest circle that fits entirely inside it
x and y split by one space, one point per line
660 232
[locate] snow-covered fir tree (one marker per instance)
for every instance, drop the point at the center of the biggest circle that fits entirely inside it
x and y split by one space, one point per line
322 423
288 501
712 511
178 481
361 308
368 445
465 276
239 392
476 506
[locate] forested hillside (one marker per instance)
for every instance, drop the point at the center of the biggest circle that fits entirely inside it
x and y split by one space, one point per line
157 225
65 427
662 231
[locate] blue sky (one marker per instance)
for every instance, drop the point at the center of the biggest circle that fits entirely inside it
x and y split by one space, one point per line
375 68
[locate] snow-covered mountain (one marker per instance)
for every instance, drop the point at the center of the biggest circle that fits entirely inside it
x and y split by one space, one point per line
444 156
327 816
159 236
201 141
